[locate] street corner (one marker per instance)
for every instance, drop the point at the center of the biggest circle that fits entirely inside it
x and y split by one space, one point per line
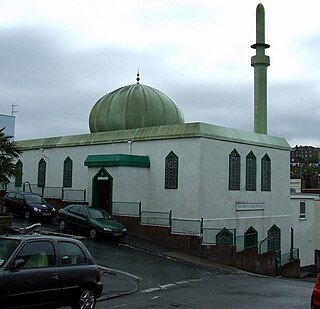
117 283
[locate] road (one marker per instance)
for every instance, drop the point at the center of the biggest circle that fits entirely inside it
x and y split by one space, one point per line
137 275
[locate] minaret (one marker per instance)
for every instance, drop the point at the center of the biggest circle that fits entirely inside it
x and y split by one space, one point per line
260 62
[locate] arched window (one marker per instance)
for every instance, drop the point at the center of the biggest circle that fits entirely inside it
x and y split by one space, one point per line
67 173
18 178
42 173
225 237
265 173
171 171
251 172
234 170
274 238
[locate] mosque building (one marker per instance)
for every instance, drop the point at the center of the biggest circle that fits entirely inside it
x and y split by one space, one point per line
140 149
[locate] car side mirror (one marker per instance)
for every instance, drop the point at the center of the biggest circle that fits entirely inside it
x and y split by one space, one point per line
17 264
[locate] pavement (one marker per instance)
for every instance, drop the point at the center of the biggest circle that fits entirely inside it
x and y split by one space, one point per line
117 283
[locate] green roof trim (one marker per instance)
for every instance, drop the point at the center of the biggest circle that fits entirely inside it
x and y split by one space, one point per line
117 160
178 131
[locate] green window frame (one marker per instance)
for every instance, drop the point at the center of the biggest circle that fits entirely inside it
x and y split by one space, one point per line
18 178
251 172
42 166
171 171
265 173
67 172
234 170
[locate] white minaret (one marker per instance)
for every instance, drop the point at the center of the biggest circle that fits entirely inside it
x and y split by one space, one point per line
260 62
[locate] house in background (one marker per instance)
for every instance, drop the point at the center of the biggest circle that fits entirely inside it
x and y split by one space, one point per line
8 123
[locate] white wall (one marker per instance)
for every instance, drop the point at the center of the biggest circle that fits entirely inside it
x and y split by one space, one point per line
202 184
303 228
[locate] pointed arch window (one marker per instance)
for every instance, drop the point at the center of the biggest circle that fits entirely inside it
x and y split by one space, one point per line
42 166
274 238
171 171
251 166
67 173
18 178
265 173
234 170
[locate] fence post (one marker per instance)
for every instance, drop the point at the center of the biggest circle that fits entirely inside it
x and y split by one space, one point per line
170 221
85 195
62 197
140 212
201 237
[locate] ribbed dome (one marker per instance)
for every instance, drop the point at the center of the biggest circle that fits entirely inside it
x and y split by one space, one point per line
134 106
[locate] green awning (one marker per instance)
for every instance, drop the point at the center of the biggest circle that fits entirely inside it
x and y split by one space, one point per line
117 160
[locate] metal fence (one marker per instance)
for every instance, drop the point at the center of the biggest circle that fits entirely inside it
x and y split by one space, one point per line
266 245
65 194
130 209
155 218
246 241
290 256
191 227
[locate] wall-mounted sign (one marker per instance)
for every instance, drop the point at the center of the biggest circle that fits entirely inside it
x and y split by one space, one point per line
250 206
103 178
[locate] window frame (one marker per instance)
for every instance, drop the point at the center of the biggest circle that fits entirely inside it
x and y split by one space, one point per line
234 175
251 172
67 172
171 172
265 173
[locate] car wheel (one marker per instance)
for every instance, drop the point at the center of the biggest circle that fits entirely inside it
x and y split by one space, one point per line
4 209
27 215
62 225
93 233
86 299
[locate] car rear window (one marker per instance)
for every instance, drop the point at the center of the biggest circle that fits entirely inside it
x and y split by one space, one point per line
71 254
7 246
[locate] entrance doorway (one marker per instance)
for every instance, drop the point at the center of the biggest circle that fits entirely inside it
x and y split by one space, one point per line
102 190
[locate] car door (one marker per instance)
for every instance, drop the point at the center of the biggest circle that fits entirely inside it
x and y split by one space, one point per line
19 204
74 270
72 218
83 222
35 281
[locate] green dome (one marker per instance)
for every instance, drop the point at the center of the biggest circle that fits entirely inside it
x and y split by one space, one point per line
134 106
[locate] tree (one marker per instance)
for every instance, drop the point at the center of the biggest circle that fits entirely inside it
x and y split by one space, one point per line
8 153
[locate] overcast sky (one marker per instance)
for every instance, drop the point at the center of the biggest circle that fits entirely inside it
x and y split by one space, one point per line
57 58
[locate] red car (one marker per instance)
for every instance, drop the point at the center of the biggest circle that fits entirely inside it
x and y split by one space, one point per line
315 298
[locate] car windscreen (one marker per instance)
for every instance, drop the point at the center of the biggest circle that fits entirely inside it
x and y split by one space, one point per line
98 214
7 246
34 199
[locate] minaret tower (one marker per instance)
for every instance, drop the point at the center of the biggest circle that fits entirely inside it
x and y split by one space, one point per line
260 62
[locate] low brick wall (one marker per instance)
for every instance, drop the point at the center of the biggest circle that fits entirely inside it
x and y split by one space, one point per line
248 259
291 269
161 235
5 222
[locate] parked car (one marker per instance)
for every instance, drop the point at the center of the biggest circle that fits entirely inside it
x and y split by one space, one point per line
27 205
91 221
315 298
47 271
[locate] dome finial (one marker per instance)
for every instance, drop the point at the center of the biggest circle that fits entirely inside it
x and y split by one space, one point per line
138 78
